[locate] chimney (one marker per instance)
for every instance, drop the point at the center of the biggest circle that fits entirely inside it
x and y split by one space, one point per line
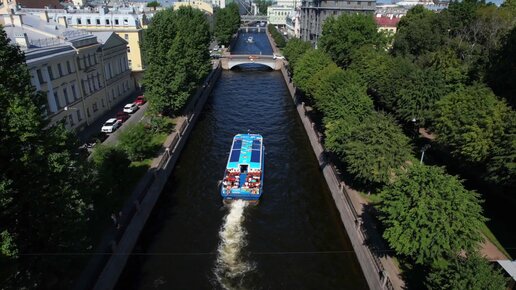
44 16
62 20
22 40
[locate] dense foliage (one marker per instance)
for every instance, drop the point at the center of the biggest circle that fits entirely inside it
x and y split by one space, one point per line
43 184
429 216
473 272
262 6
308 65
227 22
136 142
469 121
293 50
342 35
176 52
276 35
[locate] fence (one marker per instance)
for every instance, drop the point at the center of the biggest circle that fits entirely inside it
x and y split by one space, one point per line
103 272
372 267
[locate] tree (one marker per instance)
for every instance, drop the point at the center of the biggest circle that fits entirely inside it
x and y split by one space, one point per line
111 163
153 4
501 166
338 93
176 51
371 64
308 65
417 97
429 216
376 150
502 72
468 121
276 35
43 184
293 50
227 22
419 32
343 35
472 272
136 142
262 6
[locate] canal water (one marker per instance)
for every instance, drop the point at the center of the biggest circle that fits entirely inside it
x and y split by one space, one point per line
293 239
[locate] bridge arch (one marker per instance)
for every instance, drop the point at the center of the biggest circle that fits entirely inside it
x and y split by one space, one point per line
235 64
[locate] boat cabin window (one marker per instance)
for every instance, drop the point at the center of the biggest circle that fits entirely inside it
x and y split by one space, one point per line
243 168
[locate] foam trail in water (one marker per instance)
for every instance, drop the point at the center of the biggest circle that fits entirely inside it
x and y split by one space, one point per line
230 266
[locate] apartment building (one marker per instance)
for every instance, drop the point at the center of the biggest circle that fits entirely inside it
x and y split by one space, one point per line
69 65
315 12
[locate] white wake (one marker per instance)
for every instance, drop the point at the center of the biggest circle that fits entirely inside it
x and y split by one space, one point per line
230 266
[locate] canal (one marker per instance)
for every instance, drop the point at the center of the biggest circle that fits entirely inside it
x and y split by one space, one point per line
293 239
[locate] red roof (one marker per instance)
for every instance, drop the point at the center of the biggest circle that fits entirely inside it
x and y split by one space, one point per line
385 21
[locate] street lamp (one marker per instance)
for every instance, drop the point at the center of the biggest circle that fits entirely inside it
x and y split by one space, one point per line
423 149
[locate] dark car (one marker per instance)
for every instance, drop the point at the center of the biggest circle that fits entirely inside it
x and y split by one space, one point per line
122 116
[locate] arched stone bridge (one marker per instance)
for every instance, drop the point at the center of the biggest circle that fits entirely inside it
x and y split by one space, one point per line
233 60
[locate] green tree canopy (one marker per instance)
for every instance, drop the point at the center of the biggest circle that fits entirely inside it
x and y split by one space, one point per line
417 97
501 166
376 149
294 49
227 22
429 216
176 52
343 35
469 120
419 32
153 4
111 163
43 184
473 273
309 64
371 64
136 142
502 72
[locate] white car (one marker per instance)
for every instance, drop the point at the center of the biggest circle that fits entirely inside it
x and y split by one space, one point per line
111 125
131 108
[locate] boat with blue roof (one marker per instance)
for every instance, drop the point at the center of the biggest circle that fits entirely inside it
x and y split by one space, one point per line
243 177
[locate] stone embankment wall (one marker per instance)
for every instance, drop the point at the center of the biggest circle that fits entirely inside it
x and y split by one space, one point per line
104 271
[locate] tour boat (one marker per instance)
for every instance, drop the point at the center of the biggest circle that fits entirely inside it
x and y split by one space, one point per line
243 177
250 39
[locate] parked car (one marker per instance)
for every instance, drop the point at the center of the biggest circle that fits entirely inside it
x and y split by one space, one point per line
274 56
140 100
111 125
130 108
122 116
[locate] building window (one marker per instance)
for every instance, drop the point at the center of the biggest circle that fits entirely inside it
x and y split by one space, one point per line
94 107
107 22
128 49
369 3
97 21
130 64
79 21
56 99
69 66
50 73
102 102
88 21
79 117
126 36
65 94
117 22
70 119
40 76
126 21
60 70
74 93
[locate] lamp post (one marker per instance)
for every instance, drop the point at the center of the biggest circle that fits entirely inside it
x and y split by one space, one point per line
423 149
